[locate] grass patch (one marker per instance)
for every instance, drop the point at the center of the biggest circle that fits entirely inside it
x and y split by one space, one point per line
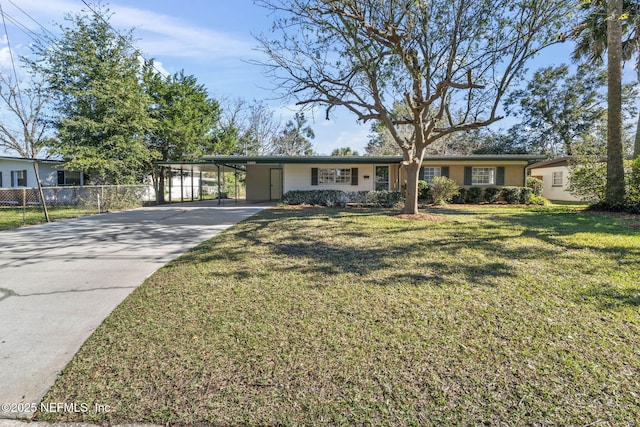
492 315
15 217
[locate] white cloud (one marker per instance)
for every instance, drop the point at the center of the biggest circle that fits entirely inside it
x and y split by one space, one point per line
163 35
5 58
157 34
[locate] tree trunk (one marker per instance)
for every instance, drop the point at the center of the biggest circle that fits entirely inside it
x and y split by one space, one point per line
636 144
411 201
615 166
40 192
161 182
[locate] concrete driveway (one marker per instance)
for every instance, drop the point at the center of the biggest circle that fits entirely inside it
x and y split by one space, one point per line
59 281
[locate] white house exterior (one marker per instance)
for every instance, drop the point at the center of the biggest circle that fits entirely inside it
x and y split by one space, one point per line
554 175
269 177
17 172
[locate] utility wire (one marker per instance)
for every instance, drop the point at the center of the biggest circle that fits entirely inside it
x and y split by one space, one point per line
13 64
33 35
33 19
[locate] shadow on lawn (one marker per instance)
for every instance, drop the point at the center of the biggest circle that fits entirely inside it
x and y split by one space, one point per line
352 249
608 298
313 242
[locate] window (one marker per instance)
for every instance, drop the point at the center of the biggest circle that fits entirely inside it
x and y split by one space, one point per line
334 176
71 178
556 179
19 178
483 176
382 178
428 173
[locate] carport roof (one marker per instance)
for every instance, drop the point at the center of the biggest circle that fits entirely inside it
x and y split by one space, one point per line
230 160
211 163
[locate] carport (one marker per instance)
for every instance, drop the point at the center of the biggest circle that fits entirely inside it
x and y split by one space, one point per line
191 181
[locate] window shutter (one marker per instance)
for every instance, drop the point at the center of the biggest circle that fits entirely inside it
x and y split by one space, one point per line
354 176
25 177
314 176
13 178
421 173
500 175
0 179
444 171
467 175
60 177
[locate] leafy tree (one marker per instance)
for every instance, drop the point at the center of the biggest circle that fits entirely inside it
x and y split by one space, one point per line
588 168
294 140
344 151
184 117
557 107
94 76
448 63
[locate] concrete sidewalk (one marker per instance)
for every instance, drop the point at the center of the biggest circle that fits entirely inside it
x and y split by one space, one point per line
59 281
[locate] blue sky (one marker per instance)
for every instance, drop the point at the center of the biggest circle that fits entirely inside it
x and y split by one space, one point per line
210 39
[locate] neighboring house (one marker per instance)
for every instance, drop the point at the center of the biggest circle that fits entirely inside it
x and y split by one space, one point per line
554 175
17 172
268 178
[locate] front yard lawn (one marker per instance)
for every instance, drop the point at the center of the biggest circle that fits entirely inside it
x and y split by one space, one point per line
11 217
474 315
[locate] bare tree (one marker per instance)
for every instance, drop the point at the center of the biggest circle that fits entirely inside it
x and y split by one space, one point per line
254 122
447 63
29 135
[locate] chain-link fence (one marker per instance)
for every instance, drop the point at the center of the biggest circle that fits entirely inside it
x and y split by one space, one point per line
20 206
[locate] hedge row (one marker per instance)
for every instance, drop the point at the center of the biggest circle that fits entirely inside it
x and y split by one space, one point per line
339 198
512 195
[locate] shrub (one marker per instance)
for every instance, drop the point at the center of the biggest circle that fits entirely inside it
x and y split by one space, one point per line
330 198
525 194
536 185
385 199
537 200
474 195
491 194
460 197
424 192
633 197
443 190
511 194
338 198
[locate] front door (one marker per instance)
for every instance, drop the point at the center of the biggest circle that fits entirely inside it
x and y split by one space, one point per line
275 182
382 178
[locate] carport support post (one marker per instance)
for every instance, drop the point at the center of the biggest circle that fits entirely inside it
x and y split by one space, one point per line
219 200
236 176
181 184
170 183
192 183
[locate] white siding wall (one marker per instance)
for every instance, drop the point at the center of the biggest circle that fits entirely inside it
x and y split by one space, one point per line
298 177
48 172
555 193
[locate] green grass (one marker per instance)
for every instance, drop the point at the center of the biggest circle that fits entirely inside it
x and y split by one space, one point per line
485 315
15 217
